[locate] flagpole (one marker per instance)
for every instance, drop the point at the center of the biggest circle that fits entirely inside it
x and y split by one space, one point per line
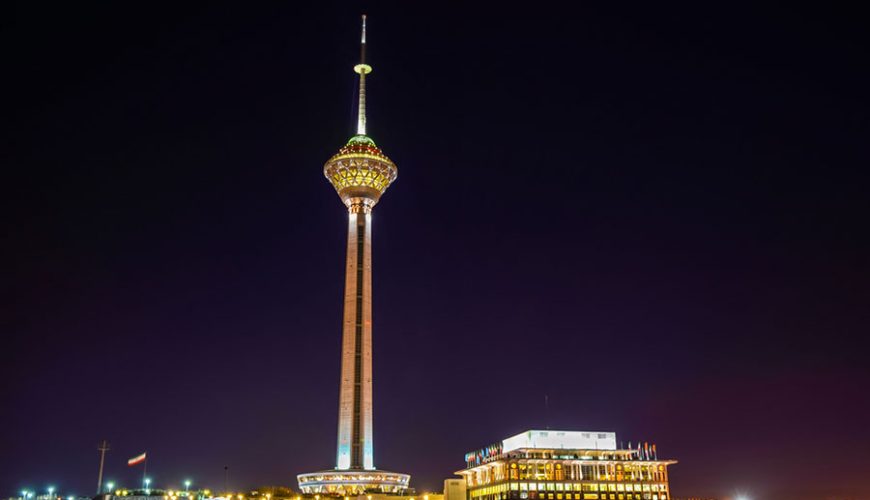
144 469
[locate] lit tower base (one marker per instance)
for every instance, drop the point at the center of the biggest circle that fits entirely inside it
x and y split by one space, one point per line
360 172
353 482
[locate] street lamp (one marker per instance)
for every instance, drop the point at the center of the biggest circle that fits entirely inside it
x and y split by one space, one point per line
50 490
187 485
111 486
147 481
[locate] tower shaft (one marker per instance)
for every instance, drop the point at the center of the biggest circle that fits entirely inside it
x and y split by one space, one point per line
355 447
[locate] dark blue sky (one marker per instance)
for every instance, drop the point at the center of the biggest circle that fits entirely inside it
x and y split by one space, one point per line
655 215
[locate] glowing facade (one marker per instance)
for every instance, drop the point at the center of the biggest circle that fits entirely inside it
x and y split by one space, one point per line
565 465
360 173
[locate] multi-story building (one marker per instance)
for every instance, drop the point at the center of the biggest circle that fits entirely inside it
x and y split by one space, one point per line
454 489
565 465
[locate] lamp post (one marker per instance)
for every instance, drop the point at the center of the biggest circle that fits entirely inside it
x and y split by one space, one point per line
187 485
147 482
51 491
111 486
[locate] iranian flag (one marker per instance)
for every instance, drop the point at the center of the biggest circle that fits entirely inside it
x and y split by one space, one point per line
136 460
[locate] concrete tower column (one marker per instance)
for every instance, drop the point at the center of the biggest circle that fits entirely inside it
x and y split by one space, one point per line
355 447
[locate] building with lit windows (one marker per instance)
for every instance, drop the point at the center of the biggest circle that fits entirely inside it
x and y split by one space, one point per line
565 465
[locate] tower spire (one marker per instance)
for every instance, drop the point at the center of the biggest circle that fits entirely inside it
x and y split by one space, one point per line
362 69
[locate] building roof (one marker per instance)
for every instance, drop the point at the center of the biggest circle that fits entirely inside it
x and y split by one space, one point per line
554 440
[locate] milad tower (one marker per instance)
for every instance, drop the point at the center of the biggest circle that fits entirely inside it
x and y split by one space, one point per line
360 173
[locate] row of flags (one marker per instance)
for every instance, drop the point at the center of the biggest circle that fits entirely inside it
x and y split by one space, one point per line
646 451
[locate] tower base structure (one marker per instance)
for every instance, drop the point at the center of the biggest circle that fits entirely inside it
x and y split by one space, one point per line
353 482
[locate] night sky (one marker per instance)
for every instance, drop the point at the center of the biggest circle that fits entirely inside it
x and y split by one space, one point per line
655 216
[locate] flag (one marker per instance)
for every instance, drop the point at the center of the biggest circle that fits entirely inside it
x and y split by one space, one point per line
136 460
655 455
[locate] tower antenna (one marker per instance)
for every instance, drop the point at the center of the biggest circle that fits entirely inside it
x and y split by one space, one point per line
362 69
